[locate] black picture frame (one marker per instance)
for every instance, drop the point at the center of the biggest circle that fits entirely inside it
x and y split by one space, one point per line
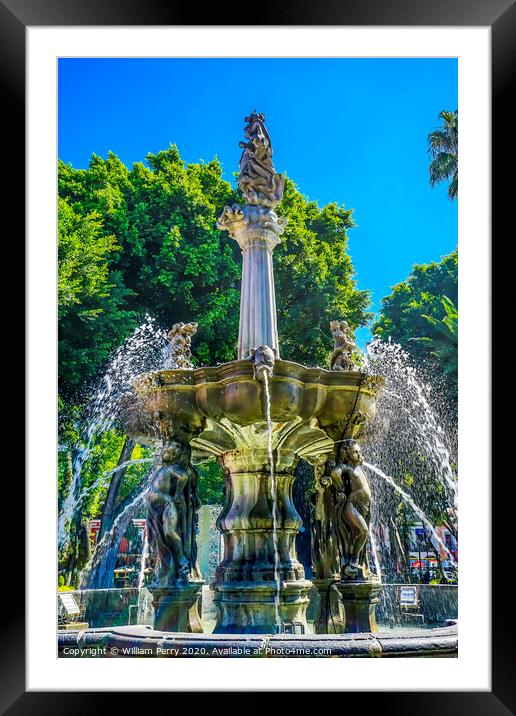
500 16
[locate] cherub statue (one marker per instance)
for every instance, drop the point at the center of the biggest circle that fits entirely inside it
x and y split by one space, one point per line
180 339
352 510
172 503
341 357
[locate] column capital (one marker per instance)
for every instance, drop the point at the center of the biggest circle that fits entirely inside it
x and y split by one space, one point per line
252 225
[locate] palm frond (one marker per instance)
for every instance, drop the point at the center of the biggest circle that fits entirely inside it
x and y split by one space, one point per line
443 147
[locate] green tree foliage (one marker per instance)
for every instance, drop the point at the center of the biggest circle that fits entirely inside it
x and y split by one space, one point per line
421 315
211 482
443 147
162 254
83 251
314 277
444 345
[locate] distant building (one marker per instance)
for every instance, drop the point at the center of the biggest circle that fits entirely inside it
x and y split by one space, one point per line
95 527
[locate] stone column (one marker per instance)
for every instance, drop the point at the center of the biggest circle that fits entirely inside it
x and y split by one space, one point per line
245 586
257 229
257 299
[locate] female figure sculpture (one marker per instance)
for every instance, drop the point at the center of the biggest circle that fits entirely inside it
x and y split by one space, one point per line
172 503
352 510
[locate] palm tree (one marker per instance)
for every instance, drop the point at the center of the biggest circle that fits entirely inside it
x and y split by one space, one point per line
444 343
443 148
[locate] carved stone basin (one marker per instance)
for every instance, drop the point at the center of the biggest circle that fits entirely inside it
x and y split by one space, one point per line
223 408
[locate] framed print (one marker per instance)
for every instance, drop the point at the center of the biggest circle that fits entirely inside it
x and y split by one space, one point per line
252 397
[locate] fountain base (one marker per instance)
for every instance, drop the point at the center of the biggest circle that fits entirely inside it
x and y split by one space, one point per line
249 607
359 600
176 609
131 641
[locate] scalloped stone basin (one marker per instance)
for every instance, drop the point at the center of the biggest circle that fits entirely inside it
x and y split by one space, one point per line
222 412
219 405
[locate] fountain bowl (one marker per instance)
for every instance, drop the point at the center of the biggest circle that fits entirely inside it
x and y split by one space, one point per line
223 408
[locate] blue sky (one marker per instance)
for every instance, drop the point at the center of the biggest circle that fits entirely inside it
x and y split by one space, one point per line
353 131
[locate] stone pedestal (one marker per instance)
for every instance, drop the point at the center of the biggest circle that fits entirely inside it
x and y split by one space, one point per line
245 586
176 609
248 607
359 600
329 618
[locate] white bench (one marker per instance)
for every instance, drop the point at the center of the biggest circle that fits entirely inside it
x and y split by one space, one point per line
69 610
408 598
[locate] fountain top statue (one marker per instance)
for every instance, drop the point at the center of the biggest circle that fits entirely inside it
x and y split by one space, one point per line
258 180
257 229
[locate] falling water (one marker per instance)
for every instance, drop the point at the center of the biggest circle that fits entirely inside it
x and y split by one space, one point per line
412 418
104 545
418 511
141 352
145 554
136 461
105 475
277 575
374 550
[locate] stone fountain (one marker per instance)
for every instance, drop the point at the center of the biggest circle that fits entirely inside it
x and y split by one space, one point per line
259 415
